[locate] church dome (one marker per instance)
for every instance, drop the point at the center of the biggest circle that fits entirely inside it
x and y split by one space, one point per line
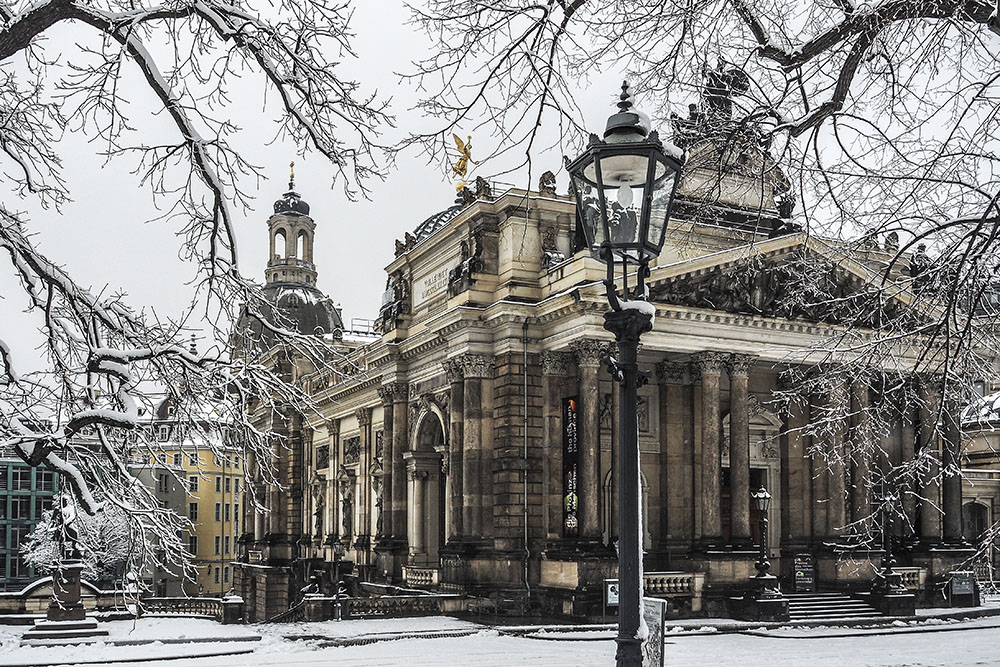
436 222
291 203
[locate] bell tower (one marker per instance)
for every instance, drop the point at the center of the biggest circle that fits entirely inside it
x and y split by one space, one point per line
290 231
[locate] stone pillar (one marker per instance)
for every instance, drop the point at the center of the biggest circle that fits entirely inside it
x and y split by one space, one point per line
818 473
385 394
418 483
796 475
400 395
836 513
739 448
453 371
951 484
675 468
861 454
332 498
555 367
710 365
927 488
475 367
908 439
365 501
588 359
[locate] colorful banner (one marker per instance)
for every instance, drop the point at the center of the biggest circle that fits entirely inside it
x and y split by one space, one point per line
571 456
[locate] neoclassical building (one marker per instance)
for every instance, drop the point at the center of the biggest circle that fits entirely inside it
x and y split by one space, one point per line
472 447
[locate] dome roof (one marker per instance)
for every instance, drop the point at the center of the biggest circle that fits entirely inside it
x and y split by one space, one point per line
436 222
291 203
301 308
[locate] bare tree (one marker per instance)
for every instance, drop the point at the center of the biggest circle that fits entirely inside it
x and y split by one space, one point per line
81 414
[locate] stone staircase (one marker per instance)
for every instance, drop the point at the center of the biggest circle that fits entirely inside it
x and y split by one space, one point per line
828 607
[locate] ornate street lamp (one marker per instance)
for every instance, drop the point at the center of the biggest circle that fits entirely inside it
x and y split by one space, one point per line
624 189
887 580
338 555
766 582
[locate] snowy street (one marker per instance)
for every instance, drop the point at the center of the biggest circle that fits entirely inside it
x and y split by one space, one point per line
929 643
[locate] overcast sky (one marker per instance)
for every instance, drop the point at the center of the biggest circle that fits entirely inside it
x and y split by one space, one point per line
101 238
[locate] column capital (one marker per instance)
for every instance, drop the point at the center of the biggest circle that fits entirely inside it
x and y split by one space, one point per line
589 352
740 364
395 392
671 372
385 394
453 370
476 365
333 427
710 361
364 416
555 363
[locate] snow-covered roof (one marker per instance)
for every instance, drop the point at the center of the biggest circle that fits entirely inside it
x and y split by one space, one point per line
984 412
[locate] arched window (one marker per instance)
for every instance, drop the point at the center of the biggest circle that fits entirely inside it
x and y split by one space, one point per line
279 246
300 246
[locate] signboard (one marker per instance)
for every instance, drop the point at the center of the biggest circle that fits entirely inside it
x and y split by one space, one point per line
431 285
610 592
654 612
805 573
962 583
571 460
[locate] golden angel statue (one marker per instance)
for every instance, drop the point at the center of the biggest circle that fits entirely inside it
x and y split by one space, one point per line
461 168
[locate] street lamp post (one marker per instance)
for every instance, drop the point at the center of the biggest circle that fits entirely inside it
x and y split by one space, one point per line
887 580
766 582
338 554
624 188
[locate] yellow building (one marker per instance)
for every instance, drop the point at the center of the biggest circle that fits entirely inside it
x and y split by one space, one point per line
213 473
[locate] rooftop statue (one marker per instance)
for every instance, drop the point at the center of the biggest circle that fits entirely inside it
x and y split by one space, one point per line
461 168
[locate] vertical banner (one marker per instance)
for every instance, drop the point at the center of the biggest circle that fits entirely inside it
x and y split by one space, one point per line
654 611
571 460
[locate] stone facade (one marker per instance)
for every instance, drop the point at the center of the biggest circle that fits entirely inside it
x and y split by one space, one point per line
477 451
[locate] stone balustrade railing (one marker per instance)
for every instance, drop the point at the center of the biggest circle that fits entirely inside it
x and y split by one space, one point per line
392 606
420 576
672 584
225 610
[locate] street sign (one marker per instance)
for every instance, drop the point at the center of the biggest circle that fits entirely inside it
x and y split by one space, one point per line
962 583
805 573
611 592
654 611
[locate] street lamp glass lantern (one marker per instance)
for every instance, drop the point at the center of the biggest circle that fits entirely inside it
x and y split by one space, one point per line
625 187
763 499
338 550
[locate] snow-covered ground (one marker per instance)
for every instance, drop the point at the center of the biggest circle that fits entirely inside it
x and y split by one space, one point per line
913 644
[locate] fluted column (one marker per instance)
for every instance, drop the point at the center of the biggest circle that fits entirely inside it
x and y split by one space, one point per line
365 501
555 367
588 359
818 470
676 466
836 514
418 482
710 365
453 371
739 448
862 450
475 367
400 392
928 489
951 484
385 394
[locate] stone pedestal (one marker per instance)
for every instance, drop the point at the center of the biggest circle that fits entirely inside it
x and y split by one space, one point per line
390 556
572 572
66 618
892 603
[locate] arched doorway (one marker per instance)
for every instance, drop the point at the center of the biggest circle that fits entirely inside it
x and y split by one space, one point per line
425 489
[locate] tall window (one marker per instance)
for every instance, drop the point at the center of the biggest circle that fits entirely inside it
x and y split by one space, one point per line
218 545
193 459
236 485
177 460
163 433
193 483
46 480
229 485
193 545
20 507
218 484
228 515
42 503
218 511
226 542
216 575
193 511
225 574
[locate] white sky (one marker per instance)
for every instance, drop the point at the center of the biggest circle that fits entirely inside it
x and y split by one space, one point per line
101 238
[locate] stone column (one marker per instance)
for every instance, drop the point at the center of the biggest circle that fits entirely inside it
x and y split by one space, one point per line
555 367
365 501
675 466
475 367
453 371
739 448
418 481
951 484
908 439
818 473
400 395
385 394
796 475
333 500
588 358
710 365
836 514
927 488
862 453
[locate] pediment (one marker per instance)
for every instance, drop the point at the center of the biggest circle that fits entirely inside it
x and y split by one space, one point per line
793 278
